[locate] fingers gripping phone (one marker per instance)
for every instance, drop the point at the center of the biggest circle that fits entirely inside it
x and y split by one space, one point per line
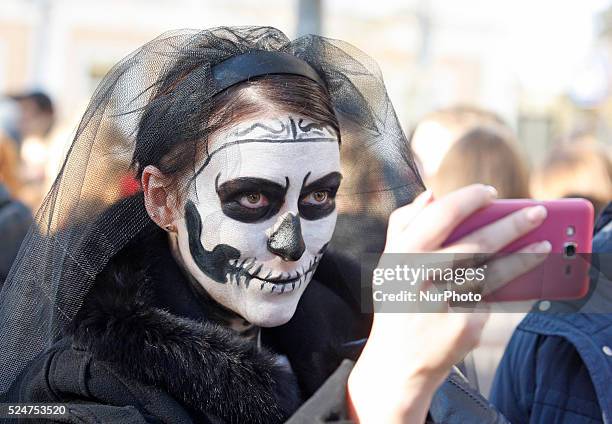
568 227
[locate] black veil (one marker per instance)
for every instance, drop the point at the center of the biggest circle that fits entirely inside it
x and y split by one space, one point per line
75 236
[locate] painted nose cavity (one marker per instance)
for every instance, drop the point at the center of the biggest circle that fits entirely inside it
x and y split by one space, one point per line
286 239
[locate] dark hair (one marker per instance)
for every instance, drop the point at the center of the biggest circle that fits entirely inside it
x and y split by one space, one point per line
484 155
40 99
177 123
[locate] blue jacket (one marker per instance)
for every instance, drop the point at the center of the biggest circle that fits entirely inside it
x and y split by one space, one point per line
557 368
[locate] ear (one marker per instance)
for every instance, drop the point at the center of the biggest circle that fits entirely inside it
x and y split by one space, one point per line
159 200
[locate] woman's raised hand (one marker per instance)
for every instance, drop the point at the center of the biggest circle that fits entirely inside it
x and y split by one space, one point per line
408 355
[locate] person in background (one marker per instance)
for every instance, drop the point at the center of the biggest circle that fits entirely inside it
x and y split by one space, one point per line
558 365
575 170
34 122
487 155
434 135
15 220
36 115
9 165
15 217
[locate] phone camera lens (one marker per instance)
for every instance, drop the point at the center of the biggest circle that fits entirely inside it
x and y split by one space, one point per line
569 250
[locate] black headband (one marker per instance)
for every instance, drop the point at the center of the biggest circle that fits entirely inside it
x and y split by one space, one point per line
245 66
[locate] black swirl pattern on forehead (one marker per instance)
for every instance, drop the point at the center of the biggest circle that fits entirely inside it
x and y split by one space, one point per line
273 132
289 132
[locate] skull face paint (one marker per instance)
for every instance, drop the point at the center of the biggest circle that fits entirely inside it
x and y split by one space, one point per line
260 214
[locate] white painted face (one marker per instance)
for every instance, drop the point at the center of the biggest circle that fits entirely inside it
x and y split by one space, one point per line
260 214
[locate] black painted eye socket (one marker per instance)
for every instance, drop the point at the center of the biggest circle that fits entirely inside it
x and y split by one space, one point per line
248 199
318 198
317 205
251 199
236 210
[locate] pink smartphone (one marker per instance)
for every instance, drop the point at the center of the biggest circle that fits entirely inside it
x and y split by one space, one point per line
568 227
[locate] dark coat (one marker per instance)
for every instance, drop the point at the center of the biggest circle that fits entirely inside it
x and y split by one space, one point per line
143 348
143 334
15 220
558 366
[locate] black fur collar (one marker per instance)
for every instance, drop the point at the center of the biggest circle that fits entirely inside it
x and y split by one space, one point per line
142 316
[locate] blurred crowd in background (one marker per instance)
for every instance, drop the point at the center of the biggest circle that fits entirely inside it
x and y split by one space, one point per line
515 94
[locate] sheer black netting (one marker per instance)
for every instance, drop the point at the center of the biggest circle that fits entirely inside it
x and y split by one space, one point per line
163 87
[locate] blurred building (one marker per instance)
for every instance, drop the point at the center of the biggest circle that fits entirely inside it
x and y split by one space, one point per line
519 58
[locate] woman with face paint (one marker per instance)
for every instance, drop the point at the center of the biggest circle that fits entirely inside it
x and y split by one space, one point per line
219 293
